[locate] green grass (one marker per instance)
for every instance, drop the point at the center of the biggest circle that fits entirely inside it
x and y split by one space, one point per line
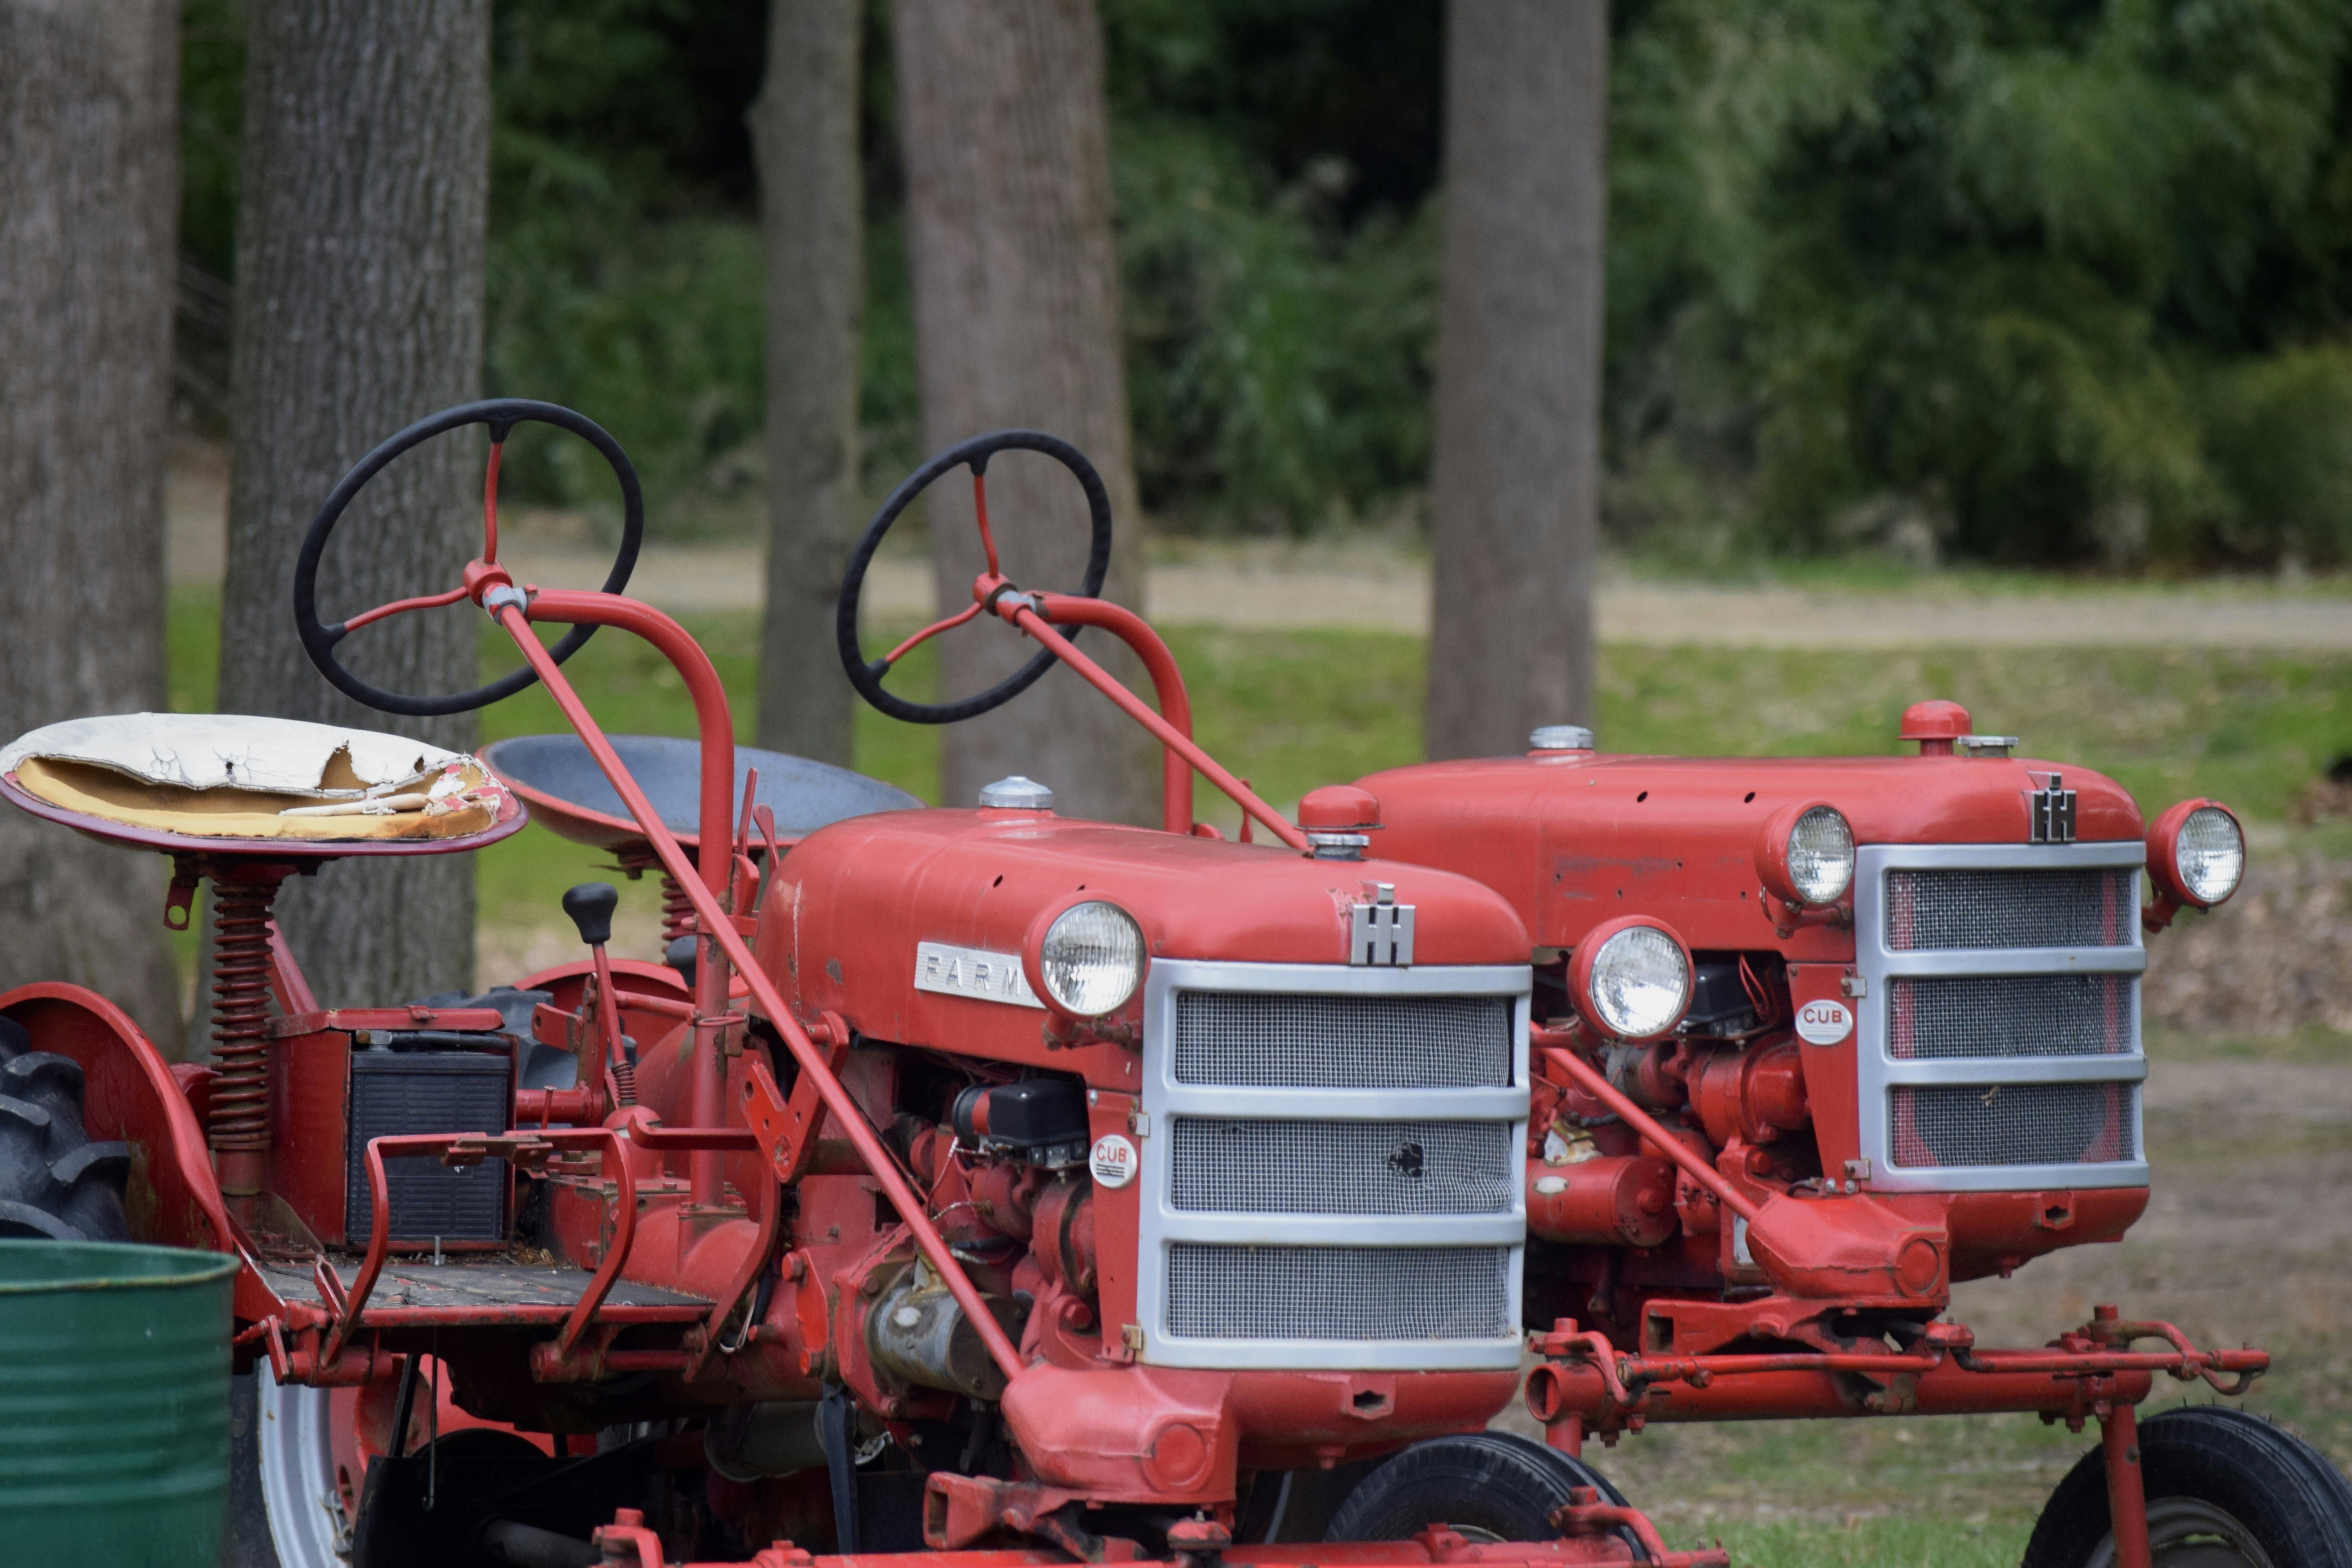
1289 710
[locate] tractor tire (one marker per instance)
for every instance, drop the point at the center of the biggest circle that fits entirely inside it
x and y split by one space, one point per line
2225 1489
1487 1486
54 1182
285 1510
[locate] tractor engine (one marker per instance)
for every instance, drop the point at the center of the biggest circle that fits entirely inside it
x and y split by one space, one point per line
1891 999
1248 1189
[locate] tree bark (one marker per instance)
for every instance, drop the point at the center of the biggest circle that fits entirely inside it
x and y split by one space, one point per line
360 234
89 199
812 210
1516 491
1006 139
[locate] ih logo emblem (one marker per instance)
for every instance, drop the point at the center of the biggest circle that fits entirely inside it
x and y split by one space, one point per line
2052 812
1379 931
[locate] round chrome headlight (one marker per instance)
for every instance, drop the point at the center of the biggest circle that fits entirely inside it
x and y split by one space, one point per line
2209 853
1634 980
1091 959
1821 855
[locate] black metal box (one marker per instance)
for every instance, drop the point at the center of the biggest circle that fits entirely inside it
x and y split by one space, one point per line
395 1092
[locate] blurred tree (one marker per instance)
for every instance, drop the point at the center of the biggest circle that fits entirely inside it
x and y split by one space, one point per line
805 130
1006 139
361 214
88 195
1518 461
1986 278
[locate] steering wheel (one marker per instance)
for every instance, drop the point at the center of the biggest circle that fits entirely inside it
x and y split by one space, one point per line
867 678
501 415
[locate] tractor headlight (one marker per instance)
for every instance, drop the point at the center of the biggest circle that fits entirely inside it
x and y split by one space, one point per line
2196 853
1805 855
1821 855
1630 978
1091 959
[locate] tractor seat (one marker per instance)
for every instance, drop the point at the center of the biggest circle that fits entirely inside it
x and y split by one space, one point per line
229 778
569 794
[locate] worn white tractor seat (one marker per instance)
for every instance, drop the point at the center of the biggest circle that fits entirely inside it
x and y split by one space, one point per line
155 778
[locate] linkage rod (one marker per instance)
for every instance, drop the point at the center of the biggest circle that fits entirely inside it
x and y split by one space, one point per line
600 609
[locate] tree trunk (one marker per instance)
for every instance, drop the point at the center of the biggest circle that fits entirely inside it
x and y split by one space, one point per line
1515 493
360 232
1006 139
89 197
804 136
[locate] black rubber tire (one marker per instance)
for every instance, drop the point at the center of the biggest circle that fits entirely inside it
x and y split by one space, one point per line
1505 1485
54 1182
2292 1503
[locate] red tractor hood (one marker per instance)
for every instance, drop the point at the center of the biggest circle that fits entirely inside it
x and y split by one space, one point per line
857 898
1575 838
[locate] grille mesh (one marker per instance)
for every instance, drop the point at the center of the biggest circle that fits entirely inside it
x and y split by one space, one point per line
2012 1124
1284 1040
2092 907
1346 1293
2009 1015
1342 1167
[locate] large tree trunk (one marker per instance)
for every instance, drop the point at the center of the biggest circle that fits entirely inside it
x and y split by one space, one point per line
1518 462
804 134
89 196
360 231
1006 139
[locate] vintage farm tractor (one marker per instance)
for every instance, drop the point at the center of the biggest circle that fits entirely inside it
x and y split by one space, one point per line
1812 1041
977 1184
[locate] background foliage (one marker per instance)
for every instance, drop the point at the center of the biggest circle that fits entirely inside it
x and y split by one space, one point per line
2036 283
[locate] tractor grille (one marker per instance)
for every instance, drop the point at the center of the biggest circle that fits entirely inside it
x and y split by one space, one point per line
1348 1293
2013 1124
2092 907
1281 1040
1342 1167
1941 1019
2000 1045
1340 1170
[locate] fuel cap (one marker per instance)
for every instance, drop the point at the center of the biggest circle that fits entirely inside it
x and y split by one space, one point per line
1016 794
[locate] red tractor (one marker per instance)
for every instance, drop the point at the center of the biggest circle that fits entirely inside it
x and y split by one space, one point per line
976 1185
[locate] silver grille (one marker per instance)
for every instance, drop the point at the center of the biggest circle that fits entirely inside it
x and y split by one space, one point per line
1346 1293
1342 1167
2089 907
1997 1041
1276 1040
2013 1124
1950 1017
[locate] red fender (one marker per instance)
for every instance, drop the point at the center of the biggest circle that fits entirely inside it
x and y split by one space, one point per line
130 1093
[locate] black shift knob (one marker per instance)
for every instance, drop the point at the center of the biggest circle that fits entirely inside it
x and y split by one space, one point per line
591 907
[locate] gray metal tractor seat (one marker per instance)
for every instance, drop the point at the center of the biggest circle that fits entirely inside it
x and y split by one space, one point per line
570 795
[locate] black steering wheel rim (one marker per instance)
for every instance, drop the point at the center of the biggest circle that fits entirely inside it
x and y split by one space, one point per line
975 452
501 415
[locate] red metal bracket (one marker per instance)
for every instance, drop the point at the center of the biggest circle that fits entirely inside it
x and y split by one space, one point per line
466 1146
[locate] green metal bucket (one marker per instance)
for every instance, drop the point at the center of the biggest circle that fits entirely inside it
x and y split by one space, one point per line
114 1364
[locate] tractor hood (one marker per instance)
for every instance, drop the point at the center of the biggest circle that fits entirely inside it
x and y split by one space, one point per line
860 905
1573 838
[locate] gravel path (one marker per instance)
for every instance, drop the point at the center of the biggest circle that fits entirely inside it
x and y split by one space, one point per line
1364 586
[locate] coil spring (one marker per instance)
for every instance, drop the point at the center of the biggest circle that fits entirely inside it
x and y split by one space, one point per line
677 911
240 1103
